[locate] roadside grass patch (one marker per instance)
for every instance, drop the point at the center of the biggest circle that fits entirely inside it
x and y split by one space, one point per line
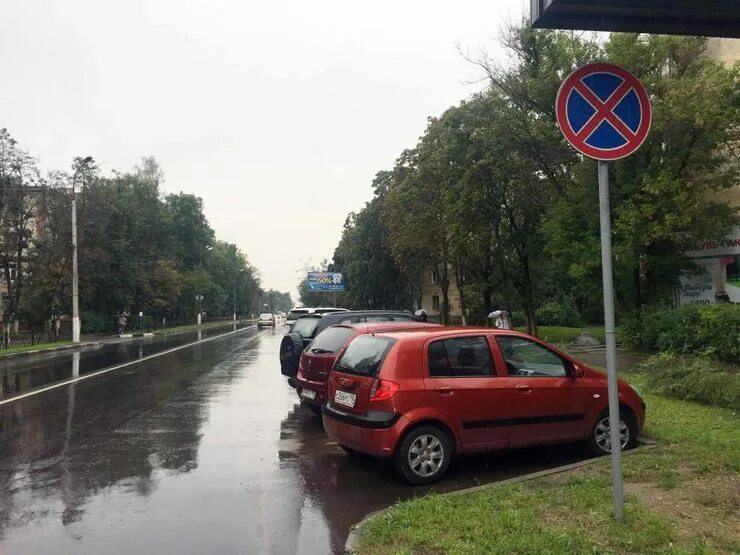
693 378
681 498
37 347
566 334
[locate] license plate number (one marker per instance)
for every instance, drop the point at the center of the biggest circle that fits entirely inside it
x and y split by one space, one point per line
344 398
308 394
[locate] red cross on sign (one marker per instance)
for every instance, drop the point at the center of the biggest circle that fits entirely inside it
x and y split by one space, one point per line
603 111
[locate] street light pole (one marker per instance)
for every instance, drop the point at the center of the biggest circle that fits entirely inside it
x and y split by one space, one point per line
237 275
199 297
75 273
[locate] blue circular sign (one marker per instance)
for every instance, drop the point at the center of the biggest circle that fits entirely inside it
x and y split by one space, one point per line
603 111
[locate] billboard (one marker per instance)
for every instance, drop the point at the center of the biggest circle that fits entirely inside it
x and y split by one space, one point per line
718 272
326 281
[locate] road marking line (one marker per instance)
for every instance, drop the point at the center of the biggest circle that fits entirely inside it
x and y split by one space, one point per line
119 366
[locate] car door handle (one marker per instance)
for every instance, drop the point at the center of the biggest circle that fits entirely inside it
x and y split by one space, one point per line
522 388
445 390
344 382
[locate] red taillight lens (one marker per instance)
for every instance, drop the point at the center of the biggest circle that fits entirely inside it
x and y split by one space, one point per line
382 390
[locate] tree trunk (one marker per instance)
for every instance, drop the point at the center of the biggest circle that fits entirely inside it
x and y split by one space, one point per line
529 297
461 288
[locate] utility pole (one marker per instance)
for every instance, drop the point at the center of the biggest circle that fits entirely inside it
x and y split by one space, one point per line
75 273
237 276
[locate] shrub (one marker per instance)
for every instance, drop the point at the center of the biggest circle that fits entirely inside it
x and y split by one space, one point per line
558 312
713 330
696 379
97 323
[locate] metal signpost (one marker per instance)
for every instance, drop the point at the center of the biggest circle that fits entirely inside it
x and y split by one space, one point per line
604 112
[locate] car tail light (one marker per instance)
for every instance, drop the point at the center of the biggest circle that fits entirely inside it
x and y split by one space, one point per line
383 390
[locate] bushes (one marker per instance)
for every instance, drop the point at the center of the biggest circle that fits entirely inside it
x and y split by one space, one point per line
693 379
561 311
712 330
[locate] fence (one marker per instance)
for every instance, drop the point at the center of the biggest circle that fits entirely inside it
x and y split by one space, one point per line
9 338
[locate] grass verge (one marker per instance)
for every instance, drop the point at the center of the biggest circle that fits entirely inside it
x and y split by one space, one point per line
682 497
37 347
565 334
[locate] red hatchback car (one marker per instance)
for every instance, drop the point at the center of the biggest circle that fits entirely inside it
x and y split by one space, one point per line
318 358
422 396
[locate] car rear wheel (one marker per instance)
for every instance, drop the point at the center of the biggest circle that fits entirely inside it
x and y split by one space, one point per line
424 455
600 438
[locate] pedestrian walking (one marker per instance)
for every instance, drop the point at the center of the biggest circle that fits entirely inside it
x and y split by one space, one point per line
121 324
501 320
421 315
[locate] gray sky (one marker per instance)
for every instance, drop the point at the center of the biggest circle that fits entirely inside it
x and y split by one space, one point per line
277 114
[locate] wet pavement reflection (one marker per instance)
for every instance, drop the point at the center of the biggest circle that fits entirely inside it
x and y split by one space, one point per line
201 450
21 375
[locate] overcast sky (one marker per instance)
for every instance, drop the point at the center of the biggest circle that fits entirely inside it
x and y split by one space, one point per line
277 114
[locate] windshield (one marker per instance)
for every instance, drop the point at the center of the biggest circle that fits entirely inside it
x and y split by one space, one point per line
295 314
330 340
365 355
305 327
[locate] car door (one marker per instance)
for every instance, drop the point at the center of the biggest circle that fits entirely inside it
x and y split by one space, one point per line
462 384
547 406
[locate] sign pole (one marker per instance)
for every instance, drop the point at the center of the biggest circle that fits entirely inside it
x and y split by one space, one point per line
611 340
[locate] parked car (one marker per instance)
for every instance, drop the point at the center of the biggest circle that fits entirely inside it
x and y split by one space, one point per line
318 358
266 320
309 326
421 396
296 313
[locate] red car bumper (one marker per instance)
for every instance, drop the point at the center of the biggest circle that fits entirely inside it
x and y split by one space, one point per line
319 388
375 433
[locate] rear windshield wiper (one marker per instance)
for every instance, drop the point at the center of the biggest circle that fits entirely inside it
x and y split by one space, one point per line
320 351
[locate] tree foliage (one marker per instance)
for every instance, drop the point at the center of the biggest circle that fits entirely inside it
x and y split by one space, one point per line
139 251
493 199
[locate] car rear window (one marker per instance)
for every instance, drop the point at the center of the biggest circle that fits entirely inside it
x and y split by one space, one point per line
295 314
365 355
305 327
265 316
330 340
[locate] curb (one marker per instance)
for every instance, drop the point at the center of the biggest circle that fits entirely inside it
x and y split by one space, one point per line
50 350
353 538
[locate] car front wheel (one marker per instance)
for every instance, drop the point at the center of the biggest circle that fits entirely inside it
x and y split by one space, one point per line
424 455
600 438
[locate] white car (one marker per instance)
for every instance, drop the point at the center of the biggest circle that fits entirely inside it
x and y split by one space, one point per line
266 320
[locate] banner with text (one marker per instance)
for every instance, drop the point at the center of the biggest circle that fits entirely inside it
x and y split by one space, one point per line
326 281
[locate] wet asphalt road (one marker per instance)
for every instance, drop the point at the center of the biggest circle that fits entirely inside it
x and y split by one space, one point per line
205 450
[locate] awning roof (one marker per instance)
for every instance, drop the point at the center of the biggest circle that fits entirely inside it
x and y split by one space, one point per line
711 18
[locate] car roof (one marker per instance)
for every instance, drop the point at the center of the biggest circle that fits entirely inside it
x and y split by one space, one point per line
447 331
378 327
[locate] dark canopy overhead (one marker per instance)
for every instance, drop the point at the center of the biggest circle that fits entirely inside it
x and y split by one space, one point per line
710 18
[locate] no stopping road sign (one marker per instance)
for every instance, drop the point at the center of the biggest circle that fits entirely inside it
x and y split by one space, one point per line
603 111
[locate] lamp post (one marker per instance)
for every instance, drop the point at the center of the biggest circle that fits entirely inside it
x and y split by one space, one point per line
199 297
237 276
75 277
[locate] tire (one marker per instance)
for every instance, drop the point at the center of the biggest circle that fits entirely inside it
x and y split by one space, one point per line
436 448
599 440
291 347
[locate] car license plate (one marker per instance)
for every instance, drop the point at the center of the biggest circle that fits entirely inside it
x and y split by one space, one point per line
344 398
309 394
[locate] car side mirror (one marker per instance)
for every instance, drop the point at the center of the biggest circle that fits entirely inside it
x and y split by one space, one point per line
578 372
